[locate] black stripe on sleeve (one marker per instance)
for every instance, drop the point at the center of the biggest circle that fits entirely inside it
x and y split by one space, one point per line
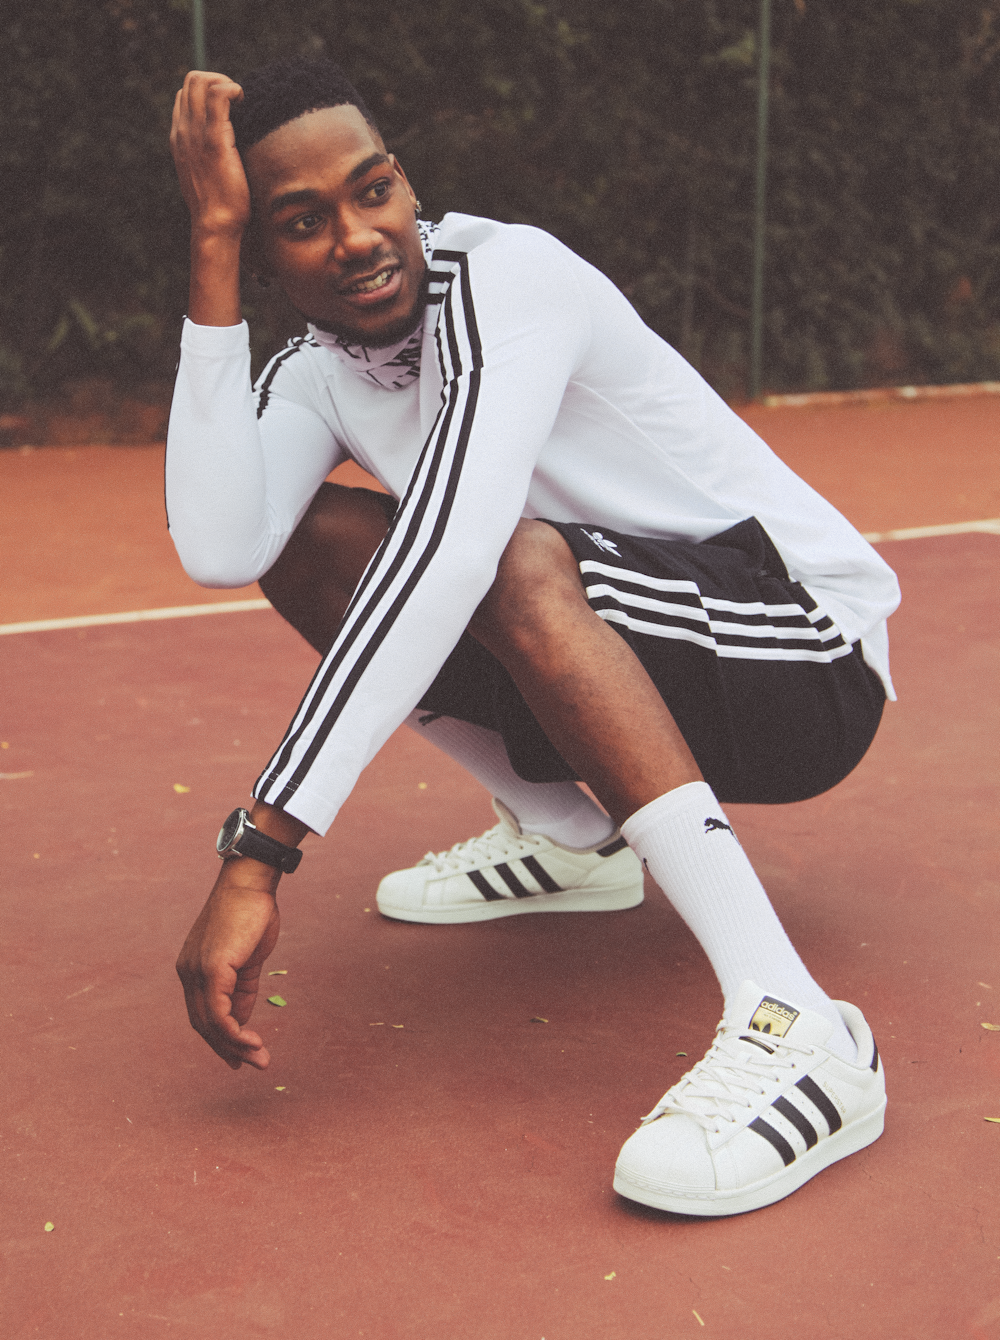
773 1138
264 393
338 654
440 437
819 1100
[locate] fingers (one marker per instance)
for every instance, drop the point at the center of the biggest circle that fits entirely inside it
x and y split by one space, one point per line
220 966
210 1010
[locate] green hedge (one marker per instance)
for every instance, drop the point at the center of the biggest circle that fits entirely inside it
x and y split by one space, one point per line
627 130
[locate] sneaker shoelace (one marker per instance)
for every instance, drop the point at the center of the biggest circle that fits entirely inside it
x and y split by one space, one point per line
500 843
730 1079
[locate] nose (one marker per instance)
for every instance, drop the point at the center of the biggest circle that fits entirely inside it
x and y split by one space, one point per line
354 239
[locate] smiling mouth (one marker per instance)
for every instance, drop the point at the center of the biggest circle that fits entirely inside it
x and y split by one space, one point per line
372 284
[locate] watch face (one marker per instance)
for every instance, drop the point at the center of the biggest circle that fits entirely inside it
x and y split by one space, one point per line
229 830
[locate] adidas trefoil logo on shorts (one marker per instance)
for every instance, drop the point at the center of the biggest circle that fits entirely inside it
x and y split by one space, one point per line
608 546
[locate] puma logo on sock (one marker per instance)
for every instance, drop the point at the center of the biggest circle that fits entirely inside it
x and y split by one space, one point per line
712 824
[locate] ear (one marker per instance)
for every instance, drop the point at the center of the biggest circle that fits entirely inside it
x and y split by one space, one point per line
398 169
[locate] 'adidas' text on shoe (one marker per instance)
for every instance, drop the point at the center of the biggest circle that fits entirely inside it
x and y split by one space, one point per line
767 1109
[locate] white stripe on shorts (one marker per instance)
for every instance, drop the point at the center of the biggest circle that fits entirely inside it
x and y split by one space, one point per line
734 638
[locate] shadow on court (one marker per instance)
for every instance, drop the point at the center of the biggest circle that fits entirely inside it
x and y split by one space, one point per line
421 1161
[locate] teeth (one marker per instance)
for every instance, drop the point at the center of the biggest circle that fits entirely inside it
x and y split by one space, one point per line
370 285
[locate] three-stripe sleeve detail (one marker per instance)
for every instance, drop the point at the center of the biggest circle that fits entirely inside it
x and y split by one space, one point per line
407 549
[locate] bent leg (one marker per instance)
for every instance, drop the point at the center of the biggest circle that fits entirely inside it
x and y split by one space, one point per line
312 582
600 709
587 688
311 585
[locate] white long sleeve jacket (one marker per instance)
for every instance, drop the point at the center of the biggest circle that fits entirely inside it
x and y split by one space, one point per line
532 389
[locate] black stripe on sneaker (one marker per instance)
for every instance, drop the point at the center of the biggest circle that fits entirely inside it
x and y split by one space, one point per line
801 1123
874 1056
512 881
819 1100
484 886
773 1138
535 868
612 847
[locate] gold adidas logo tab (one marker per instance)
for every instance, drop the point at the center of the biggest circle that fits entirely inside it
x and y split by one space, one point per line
774 1017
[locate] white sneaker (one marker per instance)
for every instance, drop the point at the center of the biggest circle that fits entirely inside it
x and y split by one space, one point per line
768 1108
506 872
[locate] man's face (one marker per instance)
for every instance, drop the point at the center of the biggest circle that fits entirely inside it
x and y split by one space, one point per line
334 224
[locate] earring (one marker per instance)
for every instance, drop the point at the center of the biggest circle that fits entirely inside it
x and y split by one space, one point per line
418 207
262 282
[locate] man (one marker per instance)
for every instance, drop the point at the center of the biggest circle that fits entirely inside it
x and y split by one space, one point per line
586 567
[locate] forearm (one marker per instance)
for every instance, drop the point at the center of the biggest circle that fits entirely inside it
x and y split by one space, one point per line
214 295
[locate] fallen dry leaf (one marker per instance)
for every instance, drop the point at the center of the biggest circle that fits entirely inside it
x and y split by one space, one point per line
995 1119
680 1053
994 1028
278 972
611 1276
396 1025
276 1000
49 1227
279 1088
537 1019
181 790
697 1318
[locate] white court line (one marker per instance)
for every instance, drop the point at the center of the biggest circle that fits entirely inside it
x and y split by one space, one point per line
134 616
989 527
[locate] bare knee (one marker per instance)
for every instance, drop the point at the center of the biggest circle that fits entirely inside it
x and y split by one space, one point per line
341 520
312 580
537 581
338 534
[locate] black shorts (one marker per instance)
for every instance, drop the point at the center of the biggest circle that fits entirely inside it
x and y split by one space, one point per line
773 703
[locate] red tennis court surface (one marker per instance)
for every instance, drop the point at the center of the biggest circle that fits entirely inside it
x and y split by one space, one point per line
421 1161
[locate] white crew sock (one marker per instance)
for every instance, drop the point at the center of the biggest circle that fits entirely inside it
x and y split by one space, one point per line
686 844
559 810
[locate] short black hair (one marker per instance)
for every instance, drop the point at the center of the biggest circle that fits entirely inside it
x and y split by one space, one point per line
284 90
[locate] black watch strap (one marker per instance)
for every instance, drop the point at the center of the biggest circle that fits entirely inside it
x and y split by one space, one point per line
239 837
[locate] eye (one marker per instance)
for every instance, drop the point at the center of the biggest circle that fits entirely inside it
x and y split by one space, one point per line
305 223
378 190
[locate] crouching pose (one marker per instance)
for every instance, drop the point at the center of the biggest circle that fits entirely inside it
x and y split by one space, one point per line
586 567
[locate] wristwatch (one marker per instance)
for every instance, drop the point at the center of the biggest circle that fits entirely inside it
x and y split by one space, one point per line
239 837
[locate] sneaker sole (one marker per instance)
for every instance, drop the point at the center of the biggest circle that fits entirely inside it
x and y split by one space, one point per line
569 900
848 1140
